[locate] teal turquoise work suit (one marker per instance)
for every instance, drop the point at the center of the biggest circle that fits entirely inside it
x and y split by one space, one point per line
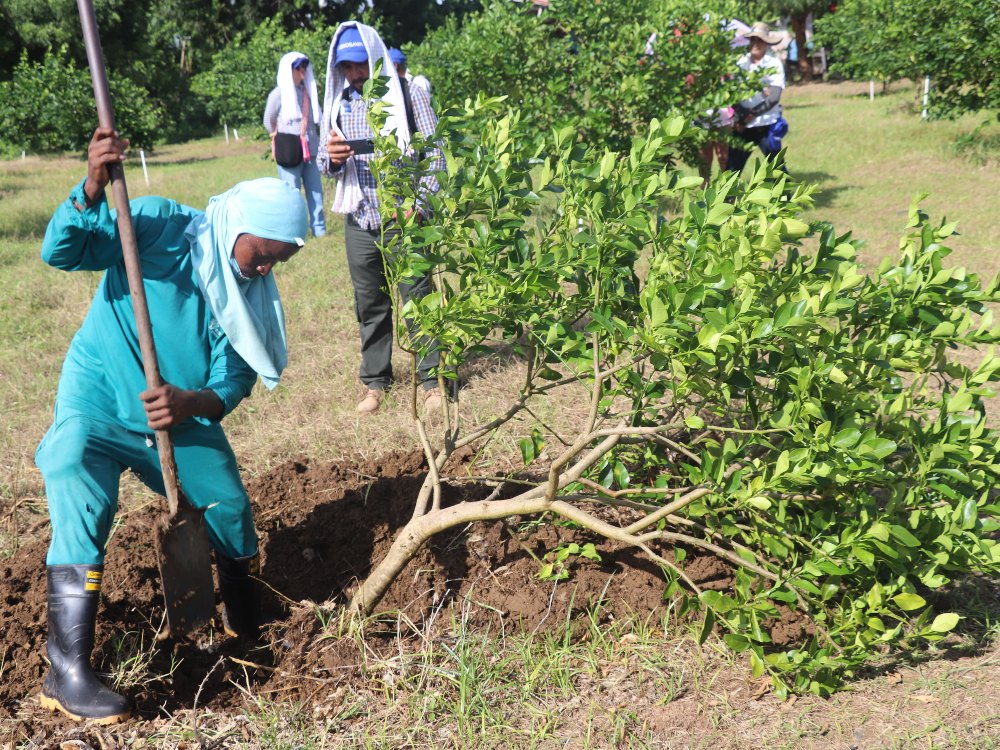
100 427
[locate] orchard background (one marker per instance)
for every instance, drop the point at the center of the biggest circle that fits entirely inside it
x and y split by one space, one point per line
544 190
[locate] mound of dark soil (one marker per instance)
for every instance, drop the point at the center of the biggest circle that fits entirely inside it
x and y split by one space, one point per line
322 527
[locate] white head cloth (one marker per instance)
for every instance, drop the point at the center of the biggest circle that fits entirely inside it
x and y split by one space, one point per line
291 103
348 194
249 312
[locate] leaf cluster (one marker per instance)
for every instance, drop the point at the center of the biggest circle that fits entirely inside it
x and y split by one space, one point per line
585 65
49 106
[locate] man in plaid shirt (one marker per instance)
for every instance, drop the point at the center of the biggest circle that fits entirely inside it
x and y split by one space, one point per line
363 233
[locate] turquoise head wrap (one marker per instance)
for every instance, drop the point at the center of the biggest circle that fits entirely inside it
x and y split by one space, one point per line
248 310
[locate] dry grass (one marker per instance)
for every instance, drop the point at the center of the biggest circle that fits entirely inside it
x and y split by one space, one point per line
629 684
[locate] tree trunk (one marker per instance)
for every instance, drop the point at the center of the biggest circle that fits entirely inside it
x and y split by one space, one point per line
419 531
805 64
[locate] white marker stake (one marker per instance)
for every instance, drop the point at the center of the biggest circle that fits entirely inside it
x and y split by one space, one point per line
235 134
22 155
927 92
871 91
142 156
225 129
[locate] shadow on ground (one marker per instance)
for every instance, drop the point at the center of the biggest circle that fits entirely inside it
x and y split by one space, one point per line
977 600
181 162
493 357
826 188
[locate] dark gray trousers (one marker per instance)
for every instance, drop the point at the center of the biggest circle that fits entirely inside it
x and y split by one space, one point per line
373 306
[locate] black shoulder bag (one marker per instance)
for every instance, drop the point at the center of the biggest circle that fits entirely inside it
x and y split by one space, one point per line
287 149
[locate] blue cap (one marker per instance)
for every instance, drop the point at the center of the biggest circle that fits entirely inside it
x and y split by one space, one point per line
350 48
397 56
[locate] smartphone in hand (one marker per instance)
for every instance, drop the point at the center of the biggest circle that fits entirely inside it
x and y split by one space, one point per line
362 146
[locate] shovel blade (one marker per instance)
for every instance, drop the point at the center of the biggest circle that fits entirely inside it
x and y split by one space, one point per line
185 569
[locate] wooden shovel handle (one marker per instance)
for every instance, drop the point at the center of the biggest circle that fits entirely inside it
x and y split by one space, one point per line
133 268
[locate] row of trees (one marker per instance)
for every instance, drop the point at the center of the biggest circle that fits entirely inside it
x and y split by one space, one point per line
956 44
586 64
180 67
156 49
583 63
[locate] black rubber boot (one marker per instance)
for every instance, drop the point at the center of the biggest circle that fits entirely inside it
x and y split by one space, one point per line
71 685
241 599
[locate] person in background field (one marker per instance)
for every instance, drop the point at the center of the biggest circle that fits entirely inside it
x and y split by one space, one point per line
418 81
715 121
218 324
291 116
758 120
353 52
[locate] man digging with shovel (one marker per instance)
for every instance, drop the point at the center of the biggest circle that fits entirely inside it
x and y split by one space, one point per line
219 324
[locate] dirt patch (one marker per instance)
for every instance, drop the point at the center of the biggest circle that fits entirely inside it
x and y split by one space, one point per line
789 627
322 526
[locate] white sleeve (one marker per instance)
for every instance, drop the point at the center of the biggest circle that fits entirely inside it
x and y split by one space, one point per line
776 74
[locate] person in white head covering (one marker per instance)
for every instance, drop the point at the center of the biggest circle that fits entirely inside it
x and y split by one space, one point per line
291 116
218 325
354 50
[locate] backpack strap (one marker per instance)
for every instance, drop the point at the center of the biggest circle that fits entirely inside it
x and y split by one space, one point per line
408 104
346 96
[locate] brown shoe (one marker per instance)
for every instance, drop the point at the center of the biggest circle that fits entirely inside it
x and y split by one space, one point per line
370 402
432 399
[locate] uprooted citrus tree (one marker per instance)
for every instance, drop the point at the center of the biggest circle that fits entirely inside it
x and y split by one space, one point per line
753 393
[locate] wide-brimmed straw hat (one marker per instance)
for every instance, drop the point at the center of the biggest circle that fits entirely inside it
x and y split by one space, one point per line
762 31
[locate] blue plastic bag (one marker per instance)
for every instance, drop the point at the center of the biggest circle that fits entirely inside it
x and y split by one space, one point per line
777 131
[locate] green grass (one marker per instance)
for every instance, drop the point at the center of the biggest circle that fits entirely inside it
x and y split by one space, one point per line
492 690
627 684
869 160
